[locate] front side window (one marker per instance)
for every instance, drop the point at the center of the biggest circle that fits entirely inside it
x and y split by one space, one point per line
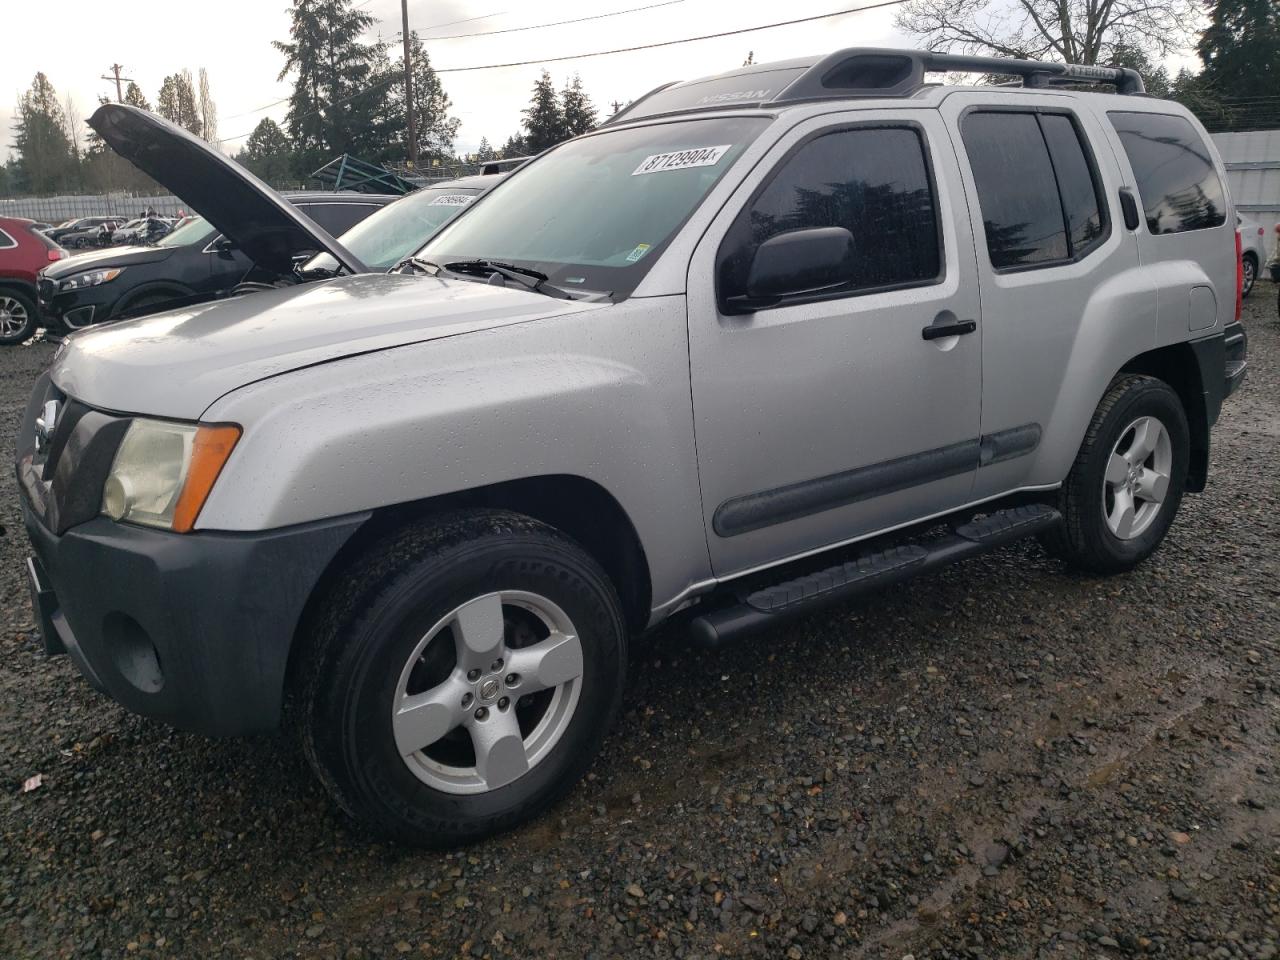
595 213
1179 187
872 181
1040 198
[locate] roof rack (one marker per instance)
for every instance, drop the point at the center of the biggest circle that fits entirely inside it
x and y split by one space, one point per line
858 72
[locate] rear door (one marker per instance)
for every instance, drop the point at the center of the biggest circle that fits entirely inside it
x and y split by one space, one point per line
1064 301
830 416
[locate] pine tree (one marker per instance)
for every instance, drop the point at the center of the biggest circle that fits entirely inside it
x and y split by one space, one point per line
579 112
177 102
544 124
516 146
435 128
485 152
46 159
134 96
1240 50
340 96
268 152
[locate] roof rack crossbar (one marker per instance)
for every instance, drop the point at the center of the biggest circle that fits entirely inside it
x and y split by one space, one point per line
1035 73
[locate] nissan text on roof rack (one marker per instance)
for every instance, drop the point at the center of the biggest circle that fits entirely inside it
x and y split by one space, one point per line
764 341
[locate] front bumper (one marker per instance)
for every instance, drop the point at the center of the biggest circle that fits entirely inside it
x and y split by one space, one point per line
194 629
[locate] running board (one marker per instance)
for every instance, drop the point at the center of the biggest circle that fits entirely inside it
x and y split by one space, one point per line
801 595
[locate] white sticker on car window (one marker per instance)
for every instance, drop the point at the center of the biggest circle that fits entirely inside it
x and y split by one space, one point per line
682 159
452 200
640 250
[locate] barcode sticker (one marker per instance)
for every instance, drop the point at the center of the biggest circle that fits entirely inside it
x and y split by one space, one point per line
452 200
682 159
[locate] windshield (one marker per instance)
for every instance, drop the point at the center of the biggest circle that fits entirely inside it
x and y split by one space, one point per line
190 232
386 237
594 213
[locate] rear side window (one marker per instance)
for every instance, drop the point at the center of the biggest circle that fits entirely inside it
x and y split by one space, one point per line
1038 192
337 218
873 181
1179 187
6 241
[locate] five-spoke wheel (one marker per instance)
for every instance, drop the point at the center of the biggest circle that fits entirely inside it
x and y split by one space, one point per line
1137 478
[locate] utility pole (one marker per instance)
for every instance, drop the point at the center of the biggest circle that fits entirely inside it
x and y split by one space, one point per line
616 106
115 71
408 85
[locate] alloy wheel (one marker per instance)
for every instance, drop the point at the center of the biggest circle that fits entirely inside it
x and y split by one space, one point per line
1248 273
487 692
1137 478
13 317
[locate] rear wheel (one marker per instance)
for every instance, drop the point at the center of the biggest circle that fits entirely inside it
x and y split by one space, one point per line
1248 274
17 317
462 678
1126 485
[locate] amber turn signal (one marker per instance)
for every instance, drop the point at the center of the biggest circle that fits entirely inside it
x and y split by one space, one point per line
209 452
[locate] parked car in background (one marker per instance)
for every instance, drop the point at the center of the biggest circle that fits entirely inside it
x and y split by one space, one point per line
80 226
194 263
143 230
89 235
400 228
24 251
1253 252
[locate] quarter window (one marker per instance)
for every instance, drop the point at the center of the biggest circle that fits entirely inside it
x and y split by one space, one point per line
1039 196
1179 186
6 241
874 182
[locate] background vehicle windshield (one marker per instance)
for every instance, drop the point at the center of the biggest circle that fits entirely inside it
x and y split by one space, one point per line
595 213
191 231
386 237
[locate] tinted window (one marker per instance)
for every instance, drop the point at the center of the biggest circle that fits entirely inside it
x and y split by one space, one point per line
1081 194
6 241
1179 187
874 182
1017 193
337 218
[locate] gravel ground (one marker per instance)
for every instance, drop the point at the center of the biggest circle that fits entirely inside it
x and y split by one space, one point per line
998 761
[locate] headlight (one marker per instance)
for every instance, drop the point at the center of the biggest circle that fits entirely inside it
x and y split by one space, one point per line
94 278
163 472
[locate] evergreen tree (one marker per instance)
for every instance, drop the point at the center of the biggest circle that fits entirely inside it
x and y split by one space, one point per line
435 128
340 95
207 109
579 112
134 96
1240 50
516 146
177 102
46 158
485 152
268 153
544 124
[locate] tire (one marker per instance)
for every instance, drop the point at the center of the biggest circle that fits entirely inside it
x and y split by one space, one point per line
364 657
1094 536
1248 273
18 317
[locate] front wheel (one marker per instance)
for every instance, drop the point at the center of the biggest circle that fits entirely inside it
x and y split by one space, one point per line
462 678
17 317
1126 484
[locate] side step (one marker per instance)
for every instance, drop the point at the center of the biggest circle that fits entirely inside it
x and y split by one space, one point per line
801 595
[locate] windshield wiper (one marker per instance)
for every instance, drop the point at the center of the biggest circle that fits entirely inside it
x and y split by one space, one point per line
417 263
534 280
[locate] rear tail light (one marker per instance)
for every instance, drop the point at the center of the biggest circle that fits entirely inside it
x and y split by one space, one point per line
57 253
1240 276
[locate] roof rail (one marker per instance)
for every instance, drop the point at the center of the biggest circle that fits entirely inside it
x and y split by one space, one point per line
856 72
863 71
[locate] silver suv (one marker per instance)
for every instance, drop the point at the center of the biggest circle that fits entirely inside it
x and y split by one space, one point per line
762 342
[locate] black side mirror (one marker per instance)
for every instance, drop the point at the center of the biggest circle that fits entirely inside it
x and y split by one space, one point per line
225 247
798 262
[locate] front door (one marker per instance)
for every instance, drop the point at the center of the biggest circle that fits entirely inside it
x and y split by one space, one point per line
834 414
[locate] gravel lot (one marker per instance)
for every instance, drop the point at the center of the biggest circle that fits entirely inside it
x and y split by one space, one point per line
998 761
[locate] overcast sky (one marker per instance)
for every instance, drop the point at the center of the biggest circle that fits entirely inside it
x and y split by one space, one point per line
75 42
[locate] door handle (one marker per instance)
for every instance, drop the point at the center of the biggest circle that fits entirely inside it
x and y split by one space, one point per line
936 331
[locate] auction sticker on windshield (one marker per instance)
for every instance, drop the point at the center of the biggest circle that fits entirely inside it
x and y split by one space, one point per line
452 200
682 159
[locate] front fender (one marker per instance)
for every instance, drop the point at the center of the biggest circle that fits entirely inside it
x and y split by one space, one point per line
602 395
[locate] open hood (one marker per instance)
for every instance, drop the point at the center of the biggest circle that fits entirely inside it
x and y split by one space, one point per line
268 228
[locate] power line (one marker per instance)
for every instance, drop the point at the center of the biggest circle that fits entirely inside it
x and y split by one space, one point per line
606 53
557 23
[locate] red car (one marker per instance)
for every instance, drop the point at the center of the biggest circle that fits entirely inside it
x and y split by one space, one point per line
24 251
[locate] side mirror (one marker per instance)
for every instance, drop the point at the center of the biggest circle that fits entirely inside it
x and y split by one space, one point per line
225 247
797 262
